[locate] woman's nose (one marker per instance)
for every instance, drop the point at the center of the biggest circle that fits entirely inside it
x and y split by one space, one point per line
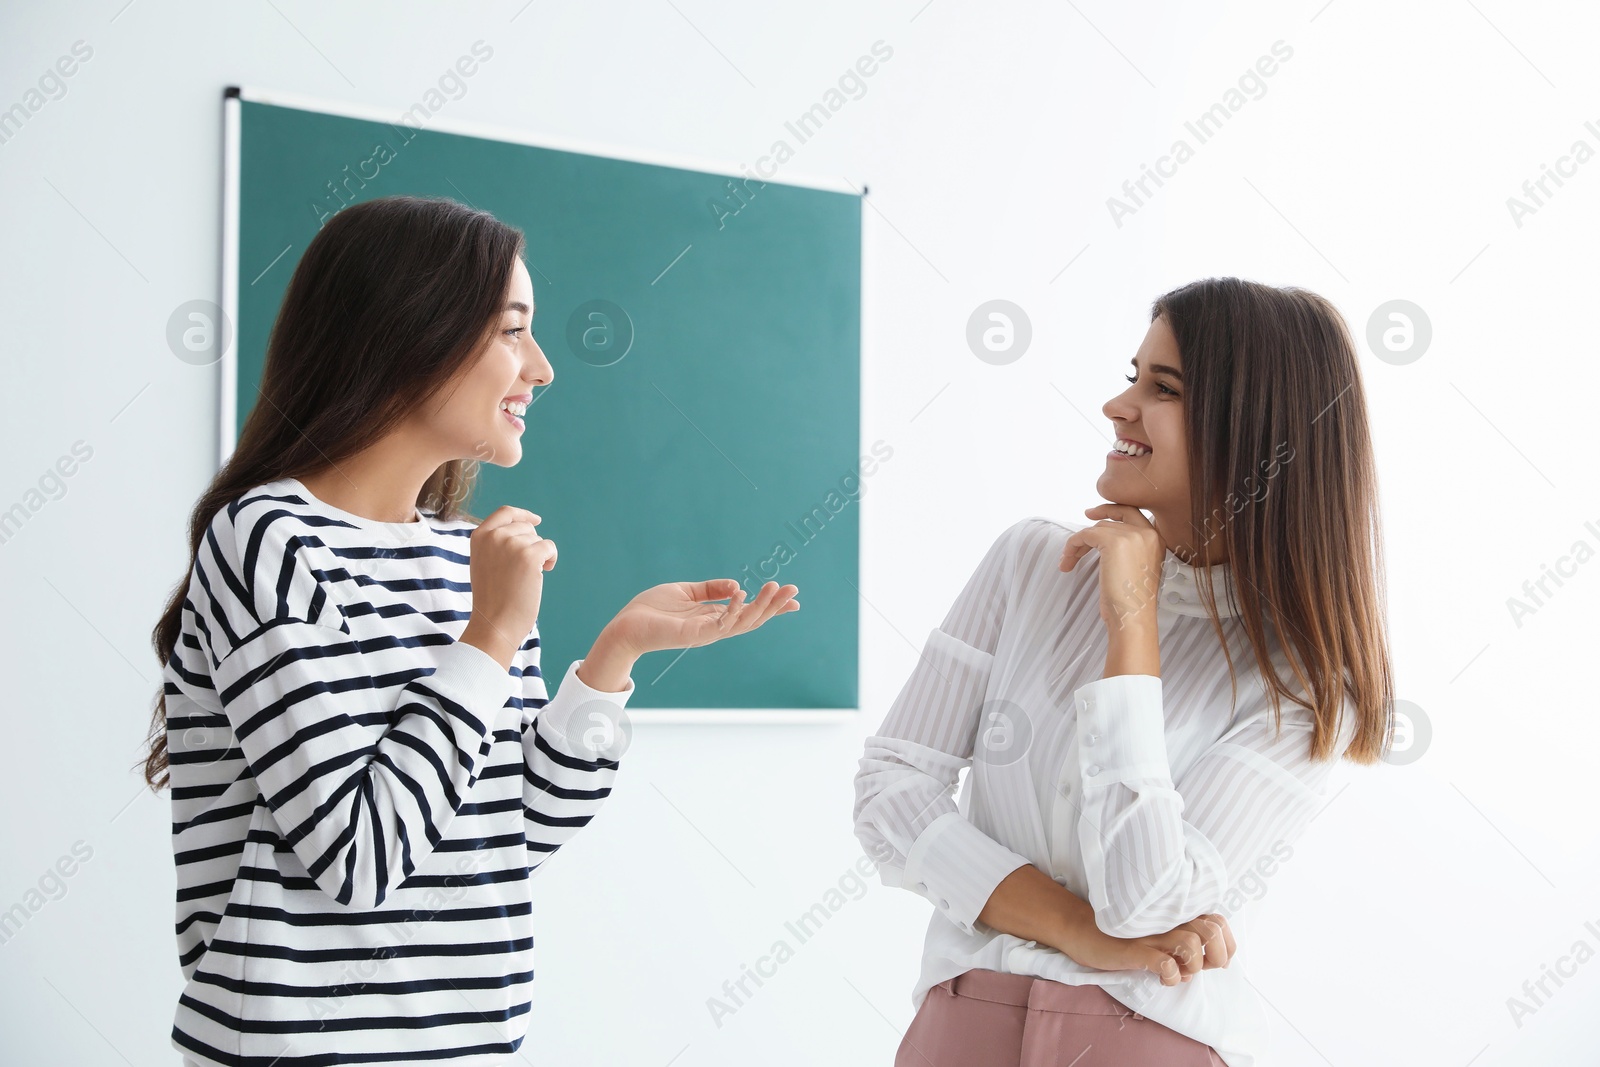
543 372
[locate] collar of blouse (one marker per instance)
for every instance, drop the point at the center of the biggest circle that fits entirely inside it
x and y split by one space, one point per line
1180 587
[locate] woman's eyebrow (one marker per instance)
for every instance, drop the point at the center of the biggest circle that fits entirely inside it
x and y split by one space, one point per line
517 305
1159 368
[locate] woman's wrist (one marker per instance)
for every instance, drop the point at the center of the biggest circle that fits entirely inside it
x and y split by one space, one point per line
1133 648
1029 904
1076 929
488 640
608 664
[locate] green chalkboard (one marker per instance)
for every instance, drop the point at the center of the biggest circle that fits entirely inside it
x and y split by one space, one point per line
725 442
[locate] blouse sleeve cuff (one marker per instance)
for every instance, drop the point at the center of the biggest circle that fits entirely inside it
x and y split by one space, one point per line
1122 730
587 723
956 866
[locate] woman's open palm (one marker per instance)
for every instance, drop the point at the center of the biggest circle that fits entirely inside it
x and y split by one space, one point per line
677 615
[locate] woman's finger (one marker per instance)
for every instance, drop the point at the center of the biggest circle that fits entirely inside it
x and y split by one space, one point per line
750 614
1120 512
526 533
1217 954
1078 545
1189 952
780 603
1163 965
730 617
712 589
505 514
1215 945
1227 931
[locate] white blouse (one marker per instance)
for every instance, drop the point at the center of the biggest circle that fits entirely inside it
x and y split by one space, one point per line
1150 797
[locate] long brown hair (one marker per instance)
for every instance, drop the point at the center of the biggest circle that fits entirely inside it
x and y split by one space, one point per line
392 297
1282 473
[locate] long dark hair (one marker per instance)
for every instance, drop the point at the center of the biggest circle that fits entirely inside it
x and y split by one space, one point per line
392 297
1281 472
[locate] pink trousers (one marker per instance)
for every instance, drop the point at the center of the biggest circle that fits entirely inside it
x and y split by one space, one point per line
989 1019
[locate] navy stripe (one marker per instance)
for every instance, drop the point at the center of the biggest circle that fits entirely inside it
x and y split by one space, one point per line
417 985
330 1059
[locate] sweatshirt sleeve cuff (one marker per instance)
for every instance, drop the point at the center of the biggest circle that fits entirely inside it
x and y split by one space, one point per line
586 723
1122 730
474 679
956 866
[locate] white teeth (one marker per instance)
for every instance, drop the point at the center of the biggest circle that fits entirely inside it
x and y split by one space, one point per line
1128 448
516 407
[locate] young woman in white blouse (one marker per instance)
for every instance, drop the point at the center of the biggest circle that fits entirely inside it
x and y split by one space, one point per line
1125 777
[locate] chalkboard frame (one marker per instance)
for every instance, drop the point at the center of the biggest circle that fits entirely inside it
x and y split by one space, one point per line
235 96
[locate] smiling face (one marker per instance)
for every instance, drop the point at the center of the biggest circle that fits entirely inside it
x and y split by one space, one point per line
473 421
1150 412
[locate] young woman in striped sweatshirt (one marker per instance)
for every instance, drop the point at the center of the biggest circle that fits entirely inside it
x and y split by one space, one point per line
1129 793
366 765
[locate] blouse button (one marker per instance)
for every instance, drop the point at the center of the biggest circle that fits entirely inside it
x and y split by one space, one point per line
944 905
1090 739
1172 597
1092 770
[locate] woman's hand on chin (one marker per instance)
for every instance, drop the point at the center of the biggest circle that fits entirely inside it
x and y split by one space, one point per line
1131 555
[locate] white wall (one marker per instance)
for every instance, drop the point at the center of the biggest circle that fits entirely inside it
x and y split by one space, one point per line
1376 166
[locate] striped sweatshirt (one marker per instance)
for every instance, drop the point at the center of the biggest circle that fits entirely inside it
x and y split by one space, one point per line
359 800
